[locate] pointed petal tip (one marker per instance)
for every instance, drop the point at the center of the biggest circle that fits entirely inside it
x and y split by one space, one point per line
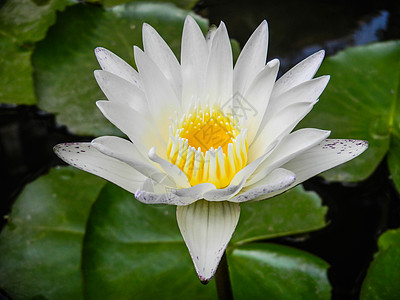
263 26
273 63
189 18
203 280
98 49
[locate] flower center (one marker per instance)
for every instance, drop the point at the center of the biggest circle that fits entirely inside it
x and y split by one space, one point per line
208 146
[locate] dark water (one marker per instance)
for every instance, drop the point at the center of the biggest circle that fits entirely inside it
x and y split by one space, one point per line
358 213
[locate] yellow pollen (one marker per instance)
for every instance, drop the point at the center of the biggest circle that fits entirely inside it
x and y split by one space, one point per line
208 147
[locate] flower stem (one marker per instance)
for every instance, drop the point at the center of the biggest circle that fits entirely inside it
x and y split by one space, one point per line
222 280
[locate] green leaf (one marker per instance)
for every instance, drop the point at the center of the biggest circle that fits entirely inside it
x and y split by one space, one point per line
186 4
65 60
26 21
22 22
41 244
269 271
383 277
16 85
360 103
394 151
135 251
293 212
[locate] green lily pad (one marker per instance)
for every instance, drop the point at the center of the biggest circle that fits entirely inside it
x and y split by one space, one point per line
383 277
16 85
293 212
64 61
127 249
22 23
26 21
269 271
394 151
362 102
41 244
135 251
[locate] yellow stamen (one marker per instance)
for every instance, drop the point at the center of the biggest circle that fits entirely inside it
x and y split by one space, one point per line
208 146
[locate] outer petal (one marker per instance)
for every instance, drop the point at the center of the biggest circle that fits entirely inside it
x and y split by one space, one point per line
136 126
328 154
112 63
125 151
275 182
207 228
251 60
303 71
87 158
121 91
291 146
219 78
152 192
157 49
194 54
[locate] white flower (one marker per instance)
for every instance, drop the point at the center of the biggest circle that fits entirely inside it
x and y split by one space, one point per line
206 136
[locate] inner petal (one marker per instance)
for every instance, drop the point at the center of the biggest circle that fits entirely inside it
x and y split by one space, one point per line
208 146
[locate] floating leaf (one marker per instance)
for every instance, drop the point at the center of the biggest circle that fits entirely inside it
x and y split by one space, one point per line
26 21
268 271
383 277
16 85
65 61
293 212
360 102
41 244
135 251
22 23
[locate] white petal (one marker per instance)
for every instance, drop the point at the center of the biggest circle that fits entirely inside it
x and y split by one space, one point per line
121 91
136 126
251 60
157 49
194 54
85 157
152 192
161 98
308 91
112 63
278 126
303 71
328 154
173 171
291 146
258 96
125 151
275 182
207 228
219 78
196 192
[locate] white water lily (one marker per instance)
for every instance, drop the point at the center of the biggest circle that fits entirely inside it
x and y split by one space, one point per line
207 136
